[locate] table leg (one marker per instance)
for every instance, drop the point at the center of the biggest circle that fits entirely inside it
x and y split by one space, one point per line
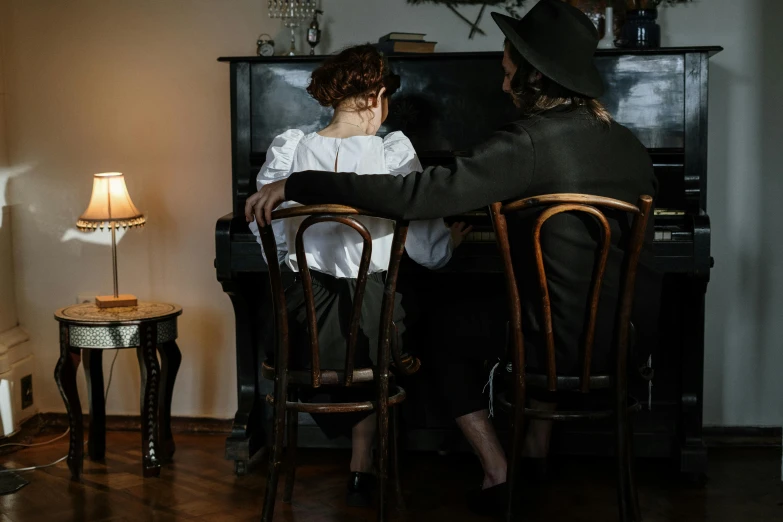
65 376
170 358
93 372
150 387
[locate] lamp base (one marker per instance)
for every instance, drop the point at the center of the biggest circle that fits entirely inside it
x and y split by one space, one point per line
109 301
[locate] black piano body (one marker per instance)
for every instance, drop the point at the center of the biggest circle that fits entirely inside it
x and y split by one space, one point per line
447 103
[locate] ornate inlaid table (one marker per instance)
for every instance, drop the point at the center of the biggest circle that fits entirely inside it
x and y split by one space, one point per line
150 328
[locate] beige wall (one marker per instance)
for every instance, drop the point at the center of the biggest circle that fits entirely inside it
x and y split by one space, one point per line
133 87
97 85
743 333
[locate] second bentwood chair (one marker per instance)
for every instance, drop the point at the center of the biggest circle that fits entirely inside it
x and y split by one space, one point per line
289 382
551 205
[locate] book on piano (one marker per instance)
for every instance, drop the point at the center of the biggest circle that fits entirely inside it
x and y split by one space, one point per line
403 46
407 37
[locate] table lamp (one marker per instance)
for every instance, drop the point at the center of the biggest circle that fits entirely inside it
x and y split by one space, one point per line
111 205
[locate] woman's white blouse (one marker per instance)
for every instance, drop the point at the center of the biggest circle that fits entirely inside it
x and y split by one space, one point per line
336 249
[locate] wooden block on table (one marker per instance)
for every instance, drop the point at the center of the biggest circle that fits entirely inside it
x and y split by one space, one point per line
109 301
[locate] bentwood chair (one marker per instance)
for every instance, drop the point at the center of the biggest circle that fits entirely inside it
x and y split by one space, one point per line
289 382
551 205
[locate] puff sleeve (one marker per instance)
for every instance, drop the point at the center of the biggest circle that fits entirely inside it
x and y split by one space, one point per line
428 242
279 159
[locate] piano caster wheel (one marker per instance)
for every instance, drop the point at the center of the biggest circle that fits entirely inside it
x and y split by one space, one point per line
240 468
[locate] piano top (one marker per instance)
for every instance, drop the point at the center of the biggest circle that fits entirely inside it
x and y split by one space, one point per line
656 93
711 49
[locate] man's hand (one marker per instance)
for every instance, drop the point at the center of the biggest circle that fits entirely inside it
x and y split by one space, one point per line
458 233
261 204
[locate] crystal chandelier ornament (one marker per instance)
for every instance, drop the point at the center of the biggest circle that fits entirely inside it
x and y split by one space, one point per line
293 13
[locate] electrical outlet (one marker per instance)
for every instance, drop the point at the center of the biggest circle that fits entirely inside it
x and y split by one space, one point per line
85 298
27 391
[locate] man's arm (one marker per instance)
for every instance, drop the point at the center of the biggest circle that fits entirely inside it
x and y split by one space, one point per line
501 168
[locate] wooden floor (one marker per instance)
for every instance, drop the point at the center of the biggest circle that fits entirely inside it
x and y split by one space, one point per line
744 485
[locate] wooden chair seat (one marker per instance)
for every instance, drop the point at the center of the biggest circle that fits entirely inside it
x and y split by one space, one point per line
568 415
337 377
569 383
328 377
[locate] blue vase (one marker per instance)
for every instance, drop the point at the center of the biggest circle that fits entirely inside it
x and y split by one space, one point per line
640 31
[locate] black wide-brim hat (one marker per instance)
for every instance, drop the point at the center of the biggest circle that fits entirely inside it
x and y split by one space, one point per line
558 40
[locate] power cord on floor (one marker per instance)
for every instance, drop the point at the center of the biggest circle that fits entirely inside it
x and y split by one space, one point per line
37 444
33 468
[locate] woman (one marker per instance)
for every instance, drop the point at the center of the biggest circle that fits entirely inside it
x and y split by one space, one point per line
356 83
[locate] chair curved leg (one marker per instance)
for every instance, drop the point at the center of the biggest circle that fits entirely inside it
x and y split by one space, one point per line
383 444
517 431
394 457
633 494
621 433
275 456
293 436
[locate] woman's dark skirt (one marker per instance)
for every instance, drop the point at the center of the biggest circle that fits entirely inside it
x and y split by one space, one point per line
334 298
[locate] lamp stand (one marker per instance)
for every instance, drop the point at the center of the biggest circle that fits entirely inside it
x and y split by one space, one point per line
116 300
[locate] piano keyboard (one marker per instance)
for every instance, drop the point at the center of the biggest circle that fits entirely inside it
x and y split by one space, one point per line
662 232
489 237
480 237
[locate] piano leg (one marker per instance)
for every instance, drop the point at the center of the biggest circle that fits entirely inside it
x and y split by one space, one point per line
247 433
693 452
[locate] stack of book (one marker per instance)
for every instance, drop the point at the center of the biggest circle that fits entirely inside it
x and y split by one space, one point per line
395 43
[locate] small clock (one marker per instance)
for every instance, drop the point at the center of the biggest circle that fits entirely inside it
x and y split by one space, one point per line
266 46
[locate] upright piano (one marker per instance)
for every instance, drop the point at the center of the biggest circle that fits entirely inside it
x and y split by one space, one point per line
447 103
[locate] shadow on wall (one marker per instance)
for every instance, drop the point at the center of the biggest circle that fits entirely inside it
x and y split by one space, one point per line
97 237
769 387
8 316
6 174
745 296
715 335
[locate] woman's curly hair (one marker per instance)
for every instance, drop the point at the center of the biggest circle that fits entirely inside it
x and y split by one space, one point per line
356 72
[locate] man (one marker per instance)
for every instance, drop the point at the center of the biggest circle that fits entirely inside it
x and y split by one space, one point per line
565 141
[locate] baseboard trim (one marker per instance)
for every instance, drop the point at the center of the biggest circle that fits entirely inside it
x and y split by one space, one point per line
423 440
742 436
133 423
714 436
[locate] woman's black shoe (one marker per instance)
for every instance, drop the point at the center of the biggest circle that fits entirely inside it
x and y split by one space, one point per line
490 502
360 489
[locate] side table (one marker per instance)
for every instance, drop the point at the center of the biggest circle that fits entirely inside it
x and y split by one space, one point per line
148 327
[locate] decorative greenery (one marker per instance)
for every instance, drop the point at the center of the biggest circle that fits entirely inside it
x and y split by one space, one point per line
512 5
478 2
645 4
623 5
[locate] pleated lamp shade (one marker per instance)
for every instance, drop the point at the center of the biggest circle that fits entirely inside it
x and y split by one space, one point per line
110 204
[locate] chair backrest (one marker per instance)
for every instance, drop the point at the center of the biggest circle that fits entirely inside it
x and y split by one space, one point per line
346 216
552 205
